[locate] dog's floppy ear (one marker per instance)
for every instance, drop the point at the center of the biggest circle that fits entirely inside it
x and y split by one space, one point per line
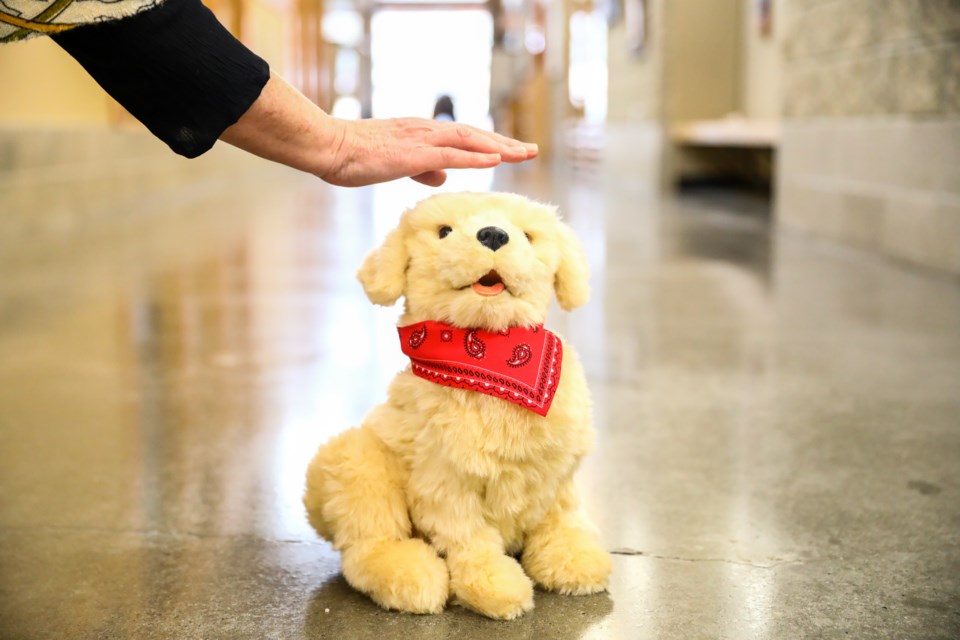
383 273
572 280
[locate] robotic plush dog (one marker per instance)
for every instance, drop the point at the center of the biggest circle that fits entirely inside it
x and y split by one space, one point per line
470 461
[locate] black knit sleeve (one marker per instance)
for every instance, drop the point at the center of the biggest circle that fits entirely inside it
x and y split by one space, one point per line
175 68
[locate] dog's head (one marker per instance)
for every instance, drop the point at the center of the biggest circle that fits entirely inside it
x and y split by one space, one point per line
479 260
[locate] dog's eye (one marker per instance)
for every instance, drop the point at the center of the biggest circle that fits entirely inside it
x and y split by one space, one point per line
529 237
444 231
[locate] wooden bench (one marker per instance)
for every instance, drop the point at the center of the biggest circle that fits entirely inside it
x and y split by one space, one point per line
733 132
732 149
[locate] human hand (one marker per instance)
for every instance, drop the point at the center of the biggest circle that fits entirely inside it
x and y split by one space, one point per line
285 127
372 151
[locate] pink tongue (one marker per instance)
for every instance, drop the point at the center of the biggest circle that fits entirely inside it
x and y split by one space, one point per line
492 290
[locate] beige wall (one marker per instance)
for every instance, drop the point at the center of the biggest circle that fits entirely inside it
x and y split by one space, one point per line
702 59
634 77
761 64
718 62
43 85
870 154
634 141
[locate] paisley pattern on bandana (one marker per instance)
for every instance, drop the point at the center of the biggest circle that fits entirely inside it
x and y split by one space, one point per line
521 355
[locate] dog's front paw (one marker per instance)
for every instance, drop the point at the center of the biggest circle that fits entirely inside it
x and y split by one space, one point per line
406 575
567 560
493 585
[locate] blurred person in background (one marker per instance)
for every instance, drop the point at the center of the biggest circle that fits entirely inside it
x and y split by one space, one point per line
176 69
443 109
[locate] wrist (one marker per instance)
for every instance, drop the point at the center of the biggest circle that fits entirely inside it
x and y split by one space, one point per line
331 148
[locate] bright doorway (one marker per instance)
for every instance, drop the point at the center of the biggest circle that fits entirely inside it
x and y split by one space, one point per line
418 54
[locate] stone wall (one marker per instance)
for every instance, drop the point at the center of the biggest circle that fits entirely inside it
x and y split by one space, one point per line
870 153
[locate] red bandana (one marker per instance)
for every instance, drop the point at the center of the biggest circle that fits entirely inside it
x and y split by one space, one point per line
519 365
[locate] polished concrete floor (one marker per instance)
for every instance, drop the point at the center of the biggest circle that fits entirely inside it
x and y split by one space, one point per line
778 419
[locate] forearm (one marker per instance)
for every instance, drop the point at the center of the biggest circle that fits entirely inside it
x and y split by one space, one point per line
284 126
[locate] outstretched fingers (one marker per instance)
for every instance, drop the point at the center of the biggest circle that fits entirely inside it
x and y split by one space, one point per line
529 148
431 159
464 137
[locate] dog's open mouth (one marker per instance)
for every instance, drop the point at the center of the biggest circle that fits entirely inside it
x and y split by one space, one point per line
489 285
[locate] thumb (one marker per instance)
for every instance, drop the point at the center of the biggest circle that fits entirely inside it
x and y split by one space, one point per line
431 178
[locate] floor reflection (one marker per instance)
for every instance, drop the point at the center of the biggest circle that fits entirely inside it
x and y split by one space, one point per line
334 607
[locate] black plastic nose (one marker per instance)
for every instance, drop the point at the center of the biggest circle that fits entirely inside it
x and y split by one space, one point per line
493 237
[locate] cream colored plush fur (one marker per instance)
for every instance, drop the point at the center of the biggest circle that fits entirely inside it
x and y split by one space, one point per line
440 487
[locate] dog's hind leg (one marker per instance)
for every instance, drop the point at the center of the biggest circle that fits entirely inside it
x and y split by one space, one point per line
355 499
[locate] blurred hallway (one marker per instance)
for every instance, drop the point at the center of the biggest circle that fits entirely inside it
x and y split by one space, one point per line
777 420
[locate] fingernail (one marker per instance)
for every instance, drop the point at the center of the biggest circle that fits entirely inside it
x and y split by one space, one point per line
520 149
530 146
